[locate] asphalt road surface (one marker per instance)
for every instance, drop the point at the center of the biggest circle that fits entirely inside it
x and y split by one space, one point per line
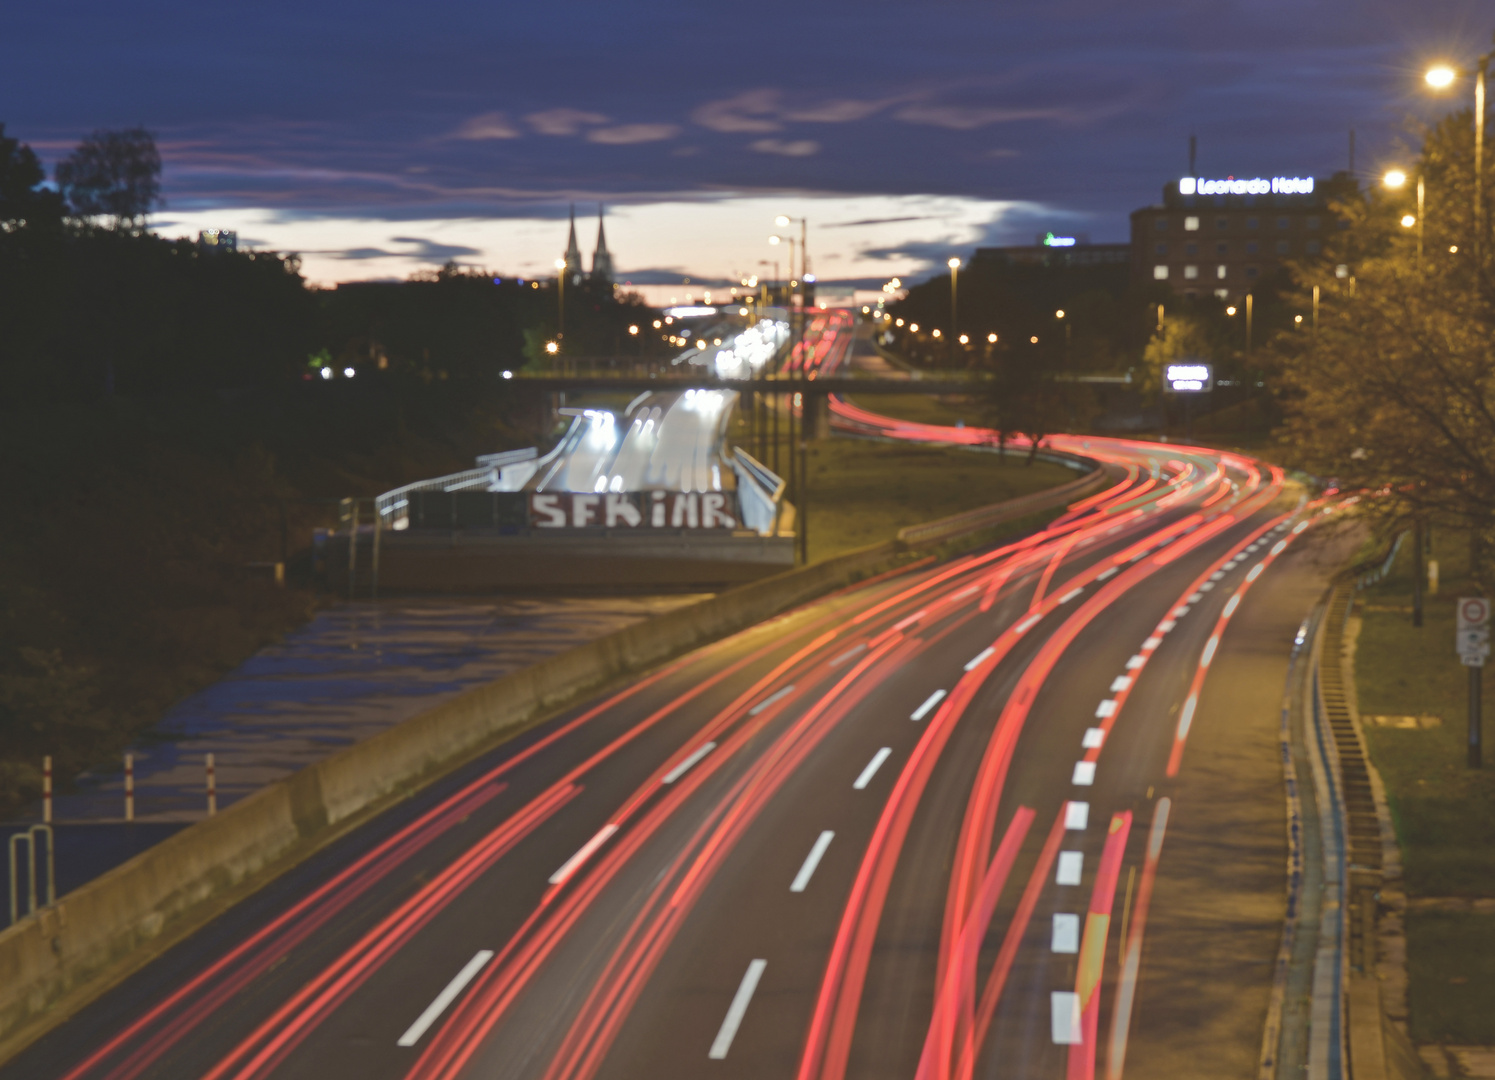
999 816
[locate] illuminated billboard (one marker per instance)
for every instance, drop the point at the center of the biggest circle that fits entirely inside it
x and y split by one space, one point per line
1259 185
1189 378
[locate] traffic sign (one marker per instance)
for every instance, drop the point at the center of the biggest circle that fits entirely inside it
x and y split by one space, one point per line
1472 640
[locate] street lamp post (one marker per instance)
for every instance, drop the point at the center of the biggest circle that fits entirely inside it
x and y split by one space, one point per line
1439 78
1396 178
560 281
954 265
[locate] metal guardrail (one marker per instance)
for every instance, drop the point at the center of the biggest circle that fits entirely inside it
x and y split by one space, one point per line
1378 574
760 493
29 839
506 471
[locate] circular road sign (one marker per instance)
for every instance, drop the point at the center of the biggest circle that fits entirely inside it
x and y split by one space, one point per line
1473 611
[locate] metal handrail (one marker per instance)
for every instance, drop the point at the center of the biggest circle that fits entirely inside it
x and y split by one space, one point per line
393 506
29 839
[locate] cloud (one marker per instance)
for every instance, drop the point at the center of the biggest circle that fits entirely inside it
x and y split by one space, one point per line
563 121
787 147
968 117
624 134
837 111
423 250
493 125
874 221
750 111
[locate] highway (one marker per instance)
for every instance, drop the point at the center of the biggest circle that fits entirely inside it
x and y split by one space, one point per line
927 826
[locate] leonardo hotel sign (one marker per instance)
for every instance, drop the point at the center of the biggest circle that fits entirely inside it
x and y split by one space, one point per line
1278 185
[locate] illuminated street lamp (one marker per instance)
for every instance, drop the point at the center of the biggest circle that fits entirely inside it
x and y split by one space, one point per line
1441 77
1395 179
1408 220
954 265
560 280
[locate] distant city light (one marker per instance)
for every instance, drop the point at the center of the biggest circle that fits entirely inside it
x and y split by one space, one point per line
742 311
633 329
1230 310
1298 319
1033 340
935 332
1394 179
326 373
508 374
1408 220
560 264
348 373
692 312
965 339
811 278
552 348
897 322
953 264
657 324
992 338
781 221
1059 314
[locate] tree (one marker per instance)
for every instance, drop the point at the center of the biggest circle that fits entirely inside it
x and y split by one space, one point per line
1395 394
113 174
23 201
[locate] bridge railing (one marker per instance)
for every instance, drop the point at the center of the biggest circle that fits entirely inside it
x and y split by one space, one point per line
506 471
760 493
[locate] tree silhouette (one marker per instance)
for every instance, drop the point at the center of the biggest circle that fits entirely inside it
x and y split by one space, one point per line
23 201
113 174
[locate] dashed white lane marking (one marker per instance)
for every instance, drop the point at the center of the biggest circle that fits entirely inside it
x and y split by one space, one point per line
1229 566
906 623
1071 866
1066 934
766 702
1255 572
812 860
1027 624
1186 717
1166 625
1217 575
1104 574
1084 774
976 661
1231 604
684 767
1154 641
738 1009
1206 587
1209 651
1120 683
1067 597
1093 738
872 766
967 591
570 865
446 997
930 702
1180 611
1064 1023
1135 662
1076 815
1194 598
1278 548
849 653
1104 709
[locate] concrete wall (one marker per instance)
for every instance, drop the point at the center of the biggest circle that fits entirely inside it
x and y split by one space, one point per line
53 963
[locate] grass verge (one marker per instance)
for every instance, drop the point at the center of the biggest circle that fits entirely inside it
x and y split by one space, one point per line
1444 812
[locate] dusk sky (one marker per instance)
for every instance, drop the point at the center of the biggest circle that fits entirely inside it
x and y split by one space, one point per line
377 138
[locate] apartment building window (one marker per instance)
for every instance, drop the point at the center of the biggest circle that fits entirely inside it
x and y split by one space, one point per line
1313 222
1160 272
1312 247
1283 247
1252 222
1160 249
1252 247
1191 272
1191 224
1160 224
1222 223
1191 249
1220 271
1222 247
1252 271
1282 223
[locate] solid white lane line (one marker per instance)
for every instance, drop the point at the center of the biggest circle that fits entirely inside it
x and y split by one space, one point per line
872 766
684 767
1093 738
1066 935
1120 683
766 702
1029 623
1107 573
1071 866
930 702
1076 815
976 661
1064 1022
1084 774
583 855
849 653
812 860
446 997
1067 597
737 1010
1231 604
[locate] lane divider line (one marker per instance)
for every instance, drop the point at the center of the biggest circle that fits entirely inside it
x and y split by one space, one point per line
766 702
1076 591
587 850
980 658
684 767
446 997
930 702
737 1010
849 653
872 766
812 860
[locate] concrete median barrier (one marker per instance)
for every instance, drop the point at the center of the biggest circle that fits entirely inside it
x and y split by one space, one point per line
55 962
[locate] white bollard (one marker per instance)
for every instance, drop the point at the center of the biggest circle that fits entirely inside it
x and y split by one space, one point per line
129 787
47 789
212 789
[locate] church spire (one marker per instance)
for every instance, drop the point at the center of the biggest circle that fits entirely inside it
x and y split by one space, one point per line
602 259
573 252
